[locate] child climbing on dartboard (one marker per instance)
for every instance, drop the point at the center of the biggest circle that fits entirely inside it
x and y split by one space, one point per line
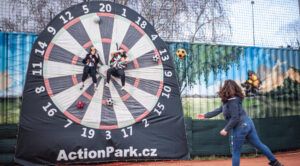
90 62
117 64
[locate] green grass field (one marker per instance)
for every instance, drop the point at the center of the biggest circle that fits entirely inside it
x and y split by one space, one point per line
256 107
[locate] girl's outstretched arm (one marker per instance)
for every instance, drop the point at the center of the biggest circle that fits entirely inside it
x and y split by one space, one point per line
210 114
213 113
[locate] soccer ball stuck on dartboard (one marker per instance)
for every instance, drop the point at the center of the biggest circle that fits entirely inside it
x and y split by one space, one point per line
109 102
80 105
181 53
155 58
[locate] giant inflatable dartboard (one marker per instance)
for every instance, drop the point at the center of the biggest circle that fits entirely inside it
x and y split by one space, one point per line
145 118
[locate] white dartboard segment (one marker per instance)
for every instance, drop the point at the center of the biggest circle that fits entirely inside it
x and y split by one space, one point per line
149 73
120 28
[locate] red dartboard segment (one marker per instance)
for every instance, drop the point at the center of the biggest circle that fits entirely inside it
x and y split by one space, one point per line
88 44
74 79
88 96
105 15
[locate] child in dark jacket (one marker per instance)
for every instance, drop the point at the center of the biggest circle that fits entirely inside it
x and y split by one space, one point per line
90 62
117 64
239 125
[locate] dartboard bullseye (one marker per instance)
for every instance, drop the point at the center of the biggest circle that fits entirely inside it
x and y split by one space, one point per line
63 69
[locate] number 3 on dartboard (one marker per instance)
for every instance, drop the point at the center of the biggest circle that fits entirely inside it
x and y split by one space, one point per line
108 135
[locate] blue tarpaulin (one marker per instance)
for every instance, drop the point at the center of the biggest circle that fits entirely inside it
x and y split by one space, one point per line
14 55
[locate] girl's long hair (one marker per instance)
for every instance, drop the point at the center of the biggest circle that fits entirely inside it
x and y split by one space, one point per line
230 89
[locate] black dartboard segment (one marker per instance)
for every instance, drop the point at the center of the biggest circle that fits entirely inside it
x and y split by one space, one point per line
146 115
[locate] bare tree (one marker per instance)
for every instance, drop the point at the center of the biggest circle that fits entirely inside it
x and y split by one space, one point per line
174 20
163 15
33 15
209 16
9 25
